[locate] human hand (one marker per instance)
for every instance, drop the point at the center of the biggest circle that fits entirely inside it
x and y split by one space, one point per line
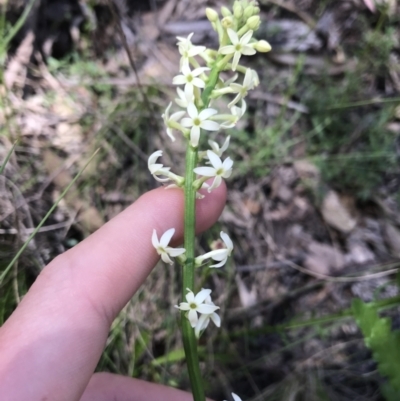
51 344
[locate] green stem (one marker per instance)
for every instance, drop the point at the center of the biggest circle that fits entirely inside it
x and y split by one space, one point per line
189 338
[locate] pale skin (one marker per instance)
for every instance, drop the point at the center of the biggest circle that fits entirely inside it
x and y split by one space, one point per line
51 344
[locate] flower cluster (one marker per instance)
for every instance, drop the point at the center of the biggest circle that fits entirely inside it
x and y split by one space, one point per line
193 117
204 78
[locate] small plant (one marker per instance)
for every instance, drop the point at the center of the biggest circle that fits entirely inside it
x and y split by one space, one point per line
196 119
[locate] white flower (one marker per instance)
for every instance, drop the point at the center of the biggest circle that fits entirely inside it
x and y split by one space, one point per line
170 120
236 397
187 49
190 79
238 47
199 120
219 255
217 149
183 100
218 170
242 90
162 247
195 305
237 113
157 169
204 319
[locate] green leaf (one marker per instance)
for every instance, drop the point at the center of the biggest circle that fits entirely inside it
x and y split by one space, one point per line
383 342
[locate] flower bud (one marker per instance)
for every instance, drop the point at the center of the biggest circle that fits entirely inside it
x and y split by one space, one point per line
237 10
248 12
226 12
227 22
262 46
253 22
211 14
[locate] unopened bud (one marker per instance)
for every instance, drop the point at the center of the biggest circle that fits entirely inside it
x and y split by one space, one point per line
262 46
253 22
237 10
211 14
248 12
227 22
226 12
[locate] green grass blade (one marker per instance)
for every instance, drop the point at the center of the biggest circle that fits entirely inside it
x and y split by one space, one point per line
3 166
18 25
10 265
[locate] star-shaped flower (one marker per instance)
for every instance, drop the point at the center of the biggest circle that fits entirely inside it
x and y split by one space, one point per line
238 46
204 319
170 121
219 169
217 149
195 304
190 79
183 100
187 49
162 248
219 255
157 169
242 90
197 120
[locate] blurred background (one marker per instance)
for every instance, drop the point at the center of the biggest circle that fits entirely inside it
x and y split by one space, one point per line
313 205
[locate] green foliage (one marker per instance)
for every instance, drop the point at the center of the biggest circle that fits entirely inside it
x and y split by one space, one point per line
383 342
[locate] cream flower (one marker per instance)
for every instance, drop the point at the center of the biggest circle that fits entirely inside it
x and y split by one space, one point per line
219 169
162 248
171 121
217 149
197 120
238 46
187 49
242 90
204 319
157 169
183 100
195 305
219 255
190 79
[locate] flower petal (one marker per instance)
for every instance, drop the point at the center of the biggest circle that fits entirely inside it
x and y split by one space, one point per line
207 309
227 49
214 159
174 252
235 61
248 51
246 37
195 136
166 237
193 318
234 37
179 80
205 171
187 122
202 295
227 241
209 125
206 113
166 259
216 319
220 264
199 83
192 110
154 239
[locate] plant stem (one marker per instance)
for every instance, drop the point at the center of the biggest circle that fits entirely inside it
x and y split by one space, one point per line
188 335
189 339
